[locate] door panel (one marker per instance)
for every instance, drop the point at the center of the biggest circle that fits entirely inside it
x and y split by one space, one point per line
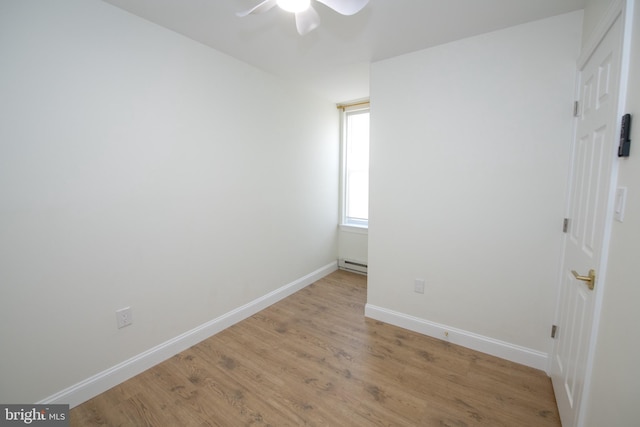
593 156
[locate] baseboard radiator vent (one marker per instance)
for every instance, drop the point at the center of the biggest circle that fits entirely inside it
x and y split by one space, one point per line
351 265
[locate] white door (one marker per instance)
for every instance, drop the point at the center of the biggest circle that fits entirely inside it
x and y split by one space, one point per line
594 149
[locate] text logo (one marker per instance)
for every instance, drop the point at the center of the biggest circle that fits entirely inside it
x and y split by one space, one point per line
35 415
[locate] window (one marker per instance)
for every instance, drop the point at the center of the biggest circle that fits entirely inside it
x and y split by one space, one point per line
355 166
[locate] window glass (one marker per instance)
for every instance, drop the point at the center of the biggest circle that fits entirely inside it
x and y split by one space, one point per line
356 168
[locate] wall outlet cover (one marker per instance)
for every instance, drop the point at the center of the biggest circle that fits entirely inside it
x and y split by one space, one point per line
124 317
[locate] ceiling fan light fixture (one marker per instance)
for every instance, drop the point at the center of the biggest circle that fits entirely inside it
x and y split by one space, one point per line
294 6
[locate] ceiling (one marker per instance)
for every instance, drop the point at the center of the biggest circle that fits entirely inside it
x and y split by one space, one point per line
333 60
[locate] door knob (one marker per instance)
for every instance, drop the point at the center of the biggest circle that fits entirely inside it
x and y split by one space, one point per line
590 279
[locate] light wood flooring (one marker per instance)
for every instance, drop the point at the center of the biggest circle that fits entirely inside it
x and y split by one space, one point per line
314 359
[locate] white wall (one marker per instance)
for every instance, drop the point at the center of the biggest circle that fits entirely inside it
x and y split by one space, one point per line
140 168
613 396
353 244
469 153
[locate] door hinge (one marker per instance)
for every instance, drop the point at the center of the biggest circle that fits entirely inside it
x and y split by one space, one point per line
565 225
576 109
554 331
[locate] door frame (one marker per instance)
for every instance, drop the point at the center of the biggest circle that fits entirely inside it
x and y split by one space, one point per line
623 10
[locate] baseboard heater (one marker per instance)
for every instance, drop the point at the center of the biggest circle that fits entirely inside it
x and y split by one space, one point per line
350 265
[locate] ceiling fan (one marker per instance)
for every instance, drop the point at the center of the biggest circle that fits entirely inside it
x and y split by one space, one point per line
307 19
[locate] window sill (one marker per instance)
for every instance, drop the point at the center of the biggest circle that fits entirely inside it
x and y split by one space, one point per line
358 229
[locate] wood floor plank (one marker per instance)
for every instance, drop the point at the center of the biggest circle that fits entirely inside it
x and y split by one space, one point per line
314 359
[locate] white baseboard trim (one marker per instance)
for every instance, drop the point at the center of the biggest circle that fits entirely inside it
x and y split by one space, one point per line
103 381
512 352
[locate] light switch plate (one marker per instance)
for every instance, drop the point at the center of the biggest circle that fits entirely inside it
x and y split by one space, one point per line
621 201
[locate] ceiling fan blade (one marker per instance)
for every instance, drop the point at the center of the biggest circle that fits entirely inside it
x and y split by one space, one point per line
307 21
261 8
345 7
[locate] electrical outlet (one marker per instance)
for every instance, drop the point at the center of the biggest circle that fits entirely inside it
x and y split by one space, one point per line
418 286
124 317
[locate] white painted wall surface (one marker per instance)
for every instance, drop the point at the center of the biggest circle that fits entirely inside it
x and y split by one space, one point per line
613 395
139 168
469 152
353 245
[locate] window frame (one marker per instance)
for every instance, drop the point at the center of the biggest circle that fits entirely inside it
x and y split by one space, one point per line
356 225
